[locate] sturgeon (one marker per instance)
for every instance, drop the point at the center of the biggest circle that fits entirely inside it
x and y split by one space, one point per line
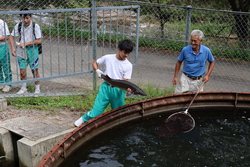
123 84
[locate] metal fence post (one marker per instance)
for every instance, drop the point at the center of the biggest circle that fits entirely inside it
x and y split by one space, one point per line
188 23
94 39
137 36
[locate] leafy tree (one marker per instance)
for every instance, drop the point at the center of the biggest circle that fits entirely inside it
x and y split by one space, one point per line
43 4
75 3
161 13
241 21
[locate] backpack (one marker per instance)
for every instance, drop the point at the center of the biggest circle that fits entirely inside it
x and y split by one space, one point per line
40 48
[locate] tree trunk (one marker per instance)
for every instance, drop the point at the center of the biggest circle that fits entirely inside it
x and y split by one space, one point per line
241 25
241 21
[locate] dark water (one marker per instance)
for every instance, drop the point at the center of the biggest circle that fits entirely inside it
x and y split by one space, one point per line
217 142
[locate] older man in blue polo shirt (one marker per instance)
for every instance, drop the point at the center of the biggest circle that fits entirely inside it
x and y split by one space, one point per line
194 72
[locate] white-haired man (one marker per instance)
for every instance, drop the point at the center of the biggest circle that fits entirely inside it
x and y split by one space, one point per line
195 57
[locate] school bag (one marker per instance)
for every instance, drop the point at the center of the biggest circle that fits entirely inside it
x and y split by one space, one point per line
40 48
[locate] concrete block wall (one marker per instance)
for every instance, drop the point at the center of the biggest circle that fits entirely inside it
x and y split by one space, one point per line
15 149
3 104
6 145
7 149
30 153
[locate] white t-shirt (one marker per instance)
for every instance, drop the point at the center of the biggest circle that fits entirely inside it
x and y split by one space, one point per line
4 31
27 33
116 69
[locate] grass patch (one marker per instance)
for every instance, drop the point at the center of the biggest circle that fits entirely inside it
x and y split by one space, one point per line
78 102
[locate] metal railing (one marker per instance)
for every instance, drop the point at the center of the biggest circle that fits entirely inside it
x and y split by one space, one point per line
72 39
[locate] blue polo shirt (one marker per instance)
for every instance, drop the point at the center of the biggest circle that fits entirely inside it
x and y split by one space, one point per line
195 64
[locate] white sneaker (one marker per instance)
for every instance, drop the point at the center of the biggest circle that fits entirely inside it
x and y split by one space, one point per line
22 91
1 87
37 91
79 122
6 88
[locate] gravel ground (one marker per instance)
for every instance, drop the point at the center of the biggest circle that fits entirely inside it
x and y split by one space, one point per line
67 116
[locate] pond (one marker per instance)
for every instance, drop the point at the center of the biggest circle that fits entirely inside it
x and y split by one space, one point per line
215 141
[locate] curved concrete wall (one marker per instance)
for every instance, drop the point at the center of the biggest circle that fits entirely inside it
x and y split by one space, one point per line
227 103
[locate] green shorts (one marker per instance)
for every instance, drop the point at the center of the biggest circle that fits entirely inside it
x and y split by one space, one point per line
32 58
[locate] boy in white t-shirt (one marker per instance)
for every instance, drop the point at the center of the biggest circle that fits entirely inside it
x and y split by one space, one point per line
117 67
5 66
29 40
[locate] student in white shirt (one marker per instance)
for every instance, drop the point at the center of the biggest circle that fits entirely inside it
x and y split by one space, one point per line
117 67
29 42
5 66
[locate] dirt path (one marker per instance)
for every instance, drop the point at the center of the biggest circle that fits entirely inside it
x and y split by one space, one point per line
66 117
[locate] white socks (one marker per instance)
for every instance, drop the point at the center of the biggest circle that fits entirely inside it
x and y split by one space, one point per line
37 87
24 86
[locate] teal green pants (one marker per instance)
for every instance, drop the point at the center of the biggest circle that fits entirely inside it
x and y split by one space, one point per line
106 94
5 67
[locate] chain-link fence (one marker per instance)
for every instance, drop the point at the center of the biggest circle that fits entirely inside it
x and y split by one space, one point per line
72 41
164 31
